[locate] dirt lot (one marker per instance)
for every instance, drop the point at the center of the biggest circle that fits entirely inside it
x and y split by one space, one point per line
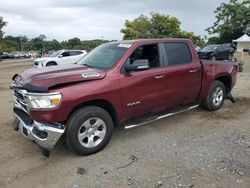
193 149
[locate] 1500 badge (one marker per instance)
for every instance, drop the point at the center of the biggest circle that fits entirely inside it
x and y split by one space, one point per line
133 103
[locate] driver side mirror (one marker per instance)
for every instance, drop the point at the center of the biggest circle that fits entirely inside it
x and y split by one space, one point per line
60 56
139 64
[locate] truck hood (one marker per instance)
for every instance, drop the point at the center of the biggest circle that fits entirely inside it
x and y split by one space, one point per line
57 75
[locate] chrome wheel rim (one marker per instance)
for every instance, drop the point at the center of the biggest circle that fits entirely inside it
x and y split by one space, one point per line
218 96
92 132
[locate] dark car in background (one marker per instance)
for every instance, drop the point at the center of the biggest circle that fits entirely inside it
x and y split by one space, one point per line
217 52
5 55
247 50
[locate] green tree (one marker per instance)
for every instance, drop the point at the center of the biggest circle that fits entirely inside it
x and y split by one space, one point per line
53 45
157 26
196 39
42 37
213 40
38 43
232 20
2 24
74 43
138 28
163 26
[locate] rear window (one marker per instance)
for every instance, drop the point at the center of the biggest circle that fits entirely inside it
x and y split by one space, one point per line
177 54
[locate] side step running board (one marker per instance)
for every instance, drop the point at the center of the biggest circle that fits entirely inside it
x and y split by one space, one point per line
155 118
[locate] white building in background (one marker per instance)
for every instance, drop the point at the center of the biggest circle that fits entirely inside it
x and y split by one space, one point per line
242 42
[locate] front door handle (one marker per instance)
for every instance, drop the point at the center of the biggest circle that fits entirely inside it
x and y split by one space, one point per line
159 76
194 70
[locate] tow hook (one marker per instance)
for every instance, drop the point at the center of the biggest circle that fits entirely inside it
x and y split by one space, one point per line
230 97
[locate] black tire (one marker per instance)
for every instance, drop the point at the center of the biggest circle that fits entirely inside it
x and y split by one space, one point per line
210 103
74 126
51 64
240 68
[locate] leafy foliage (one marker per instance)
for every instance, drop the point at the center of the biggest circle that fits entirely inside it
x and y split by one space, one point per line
10 43
164 26
2 24
232 20
157 26
195 38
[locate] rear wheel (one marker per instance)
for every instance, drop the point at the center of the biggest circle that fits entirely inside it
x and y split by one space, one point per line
89 130
215 97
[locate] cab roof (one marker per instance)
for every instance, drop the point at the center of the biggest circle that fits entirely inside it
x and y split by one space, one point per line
157 40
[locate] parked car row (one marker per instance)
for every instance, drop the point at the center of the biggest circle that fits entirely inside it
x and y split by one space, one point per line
15 55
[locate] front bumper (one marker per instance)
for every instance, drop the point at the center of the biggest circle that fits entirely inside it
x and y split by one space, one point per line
44 134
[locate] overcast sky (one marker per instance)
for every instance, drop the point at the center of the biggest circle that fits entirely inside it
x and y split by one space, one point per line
90 19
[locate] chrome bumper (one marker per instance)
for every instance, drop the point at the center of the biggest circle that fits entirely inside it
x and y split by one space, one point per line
45 135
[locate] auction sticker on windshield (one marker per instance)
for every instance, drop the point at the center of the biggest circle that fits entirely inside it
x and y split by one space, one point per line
124 45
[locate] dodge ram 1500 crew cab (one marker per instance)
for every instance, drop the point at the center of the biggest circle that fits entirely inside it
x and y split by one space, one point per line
126 83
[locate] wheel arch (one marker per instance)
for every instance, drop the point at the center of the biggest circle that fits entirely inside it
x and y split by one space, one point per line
102 103
54 62
226 80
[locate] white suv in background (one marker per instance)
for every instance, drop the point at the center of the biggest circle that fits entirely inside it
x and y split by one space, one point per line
60 57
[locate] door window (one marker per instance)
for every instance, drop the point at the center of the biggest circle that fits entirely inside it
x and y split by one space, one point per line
149 52
73 53
177 54
65 54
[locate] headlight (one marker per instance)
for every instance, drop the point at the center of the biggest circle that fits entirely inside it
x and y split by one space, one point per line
48 100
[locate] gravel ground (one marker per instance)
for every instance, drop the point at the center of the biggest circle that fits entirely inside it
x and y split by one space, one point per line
194 149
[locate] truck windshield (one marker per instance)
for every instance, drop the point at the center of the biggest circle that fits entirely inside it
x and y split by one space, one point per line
104 56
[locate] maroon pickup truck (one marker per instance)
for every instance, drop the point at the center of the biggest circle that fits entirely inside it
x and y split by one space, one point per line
127 83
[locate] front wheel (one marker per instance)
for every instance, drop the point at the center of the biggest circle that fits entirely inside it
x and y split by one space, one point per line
89 130
215 97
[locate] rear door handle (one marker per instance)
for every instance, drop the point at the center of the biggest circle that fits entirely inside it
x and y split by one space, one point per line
159 76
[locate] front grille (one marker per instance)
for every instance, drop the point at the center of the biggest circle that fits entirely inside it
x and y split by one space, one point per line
24 117
18 95
21 98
